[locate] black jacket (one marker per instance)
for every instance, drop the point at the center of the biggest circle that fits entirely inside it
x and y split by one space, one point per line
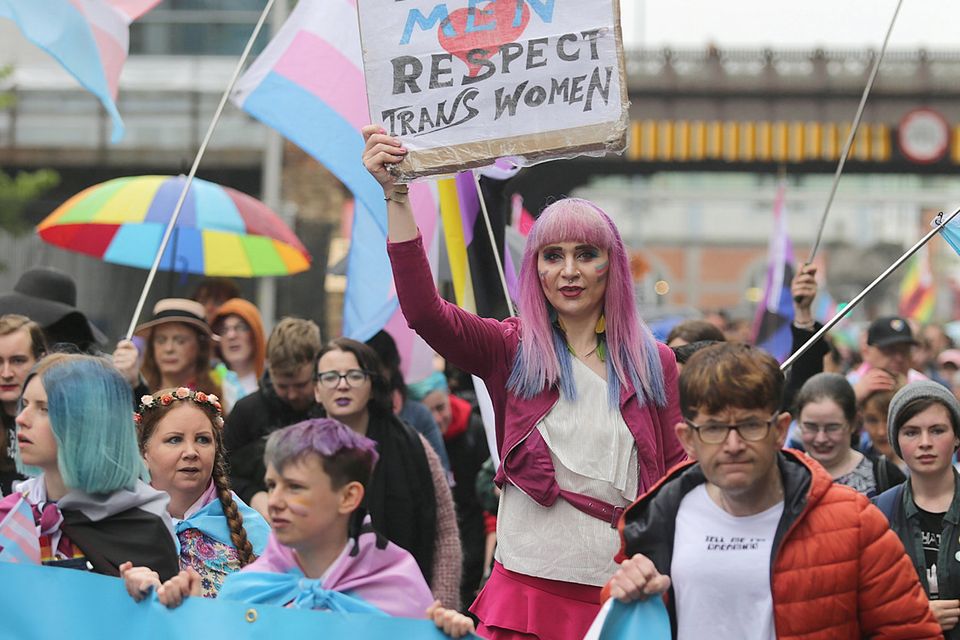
806 366
468 451
400 496
253 418
8 467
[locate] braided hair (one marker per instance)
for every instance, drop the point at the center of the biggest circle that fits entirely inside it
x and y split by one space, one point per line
238 535
152 410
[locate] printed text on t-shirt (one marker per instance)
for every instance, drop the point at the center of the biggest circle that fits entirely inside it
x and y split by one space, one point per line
720 543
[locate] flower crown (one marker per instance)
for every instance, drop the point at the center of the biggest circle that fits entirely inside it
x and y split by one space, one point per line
181 393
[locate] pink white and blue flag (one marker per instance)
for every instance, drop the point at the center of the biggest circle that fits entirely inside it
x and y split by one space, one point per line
18 535
89 38
308 84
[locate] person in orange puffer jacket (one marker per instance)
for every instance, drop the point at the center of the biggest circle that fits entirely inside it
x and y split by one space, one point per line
750 541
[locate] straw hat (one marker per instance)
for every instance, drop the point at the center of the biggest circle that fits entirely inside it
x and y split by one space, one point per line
180 310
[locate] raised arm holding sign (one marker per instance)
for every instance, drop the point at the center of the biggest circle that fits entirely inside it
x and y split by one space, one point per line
590 387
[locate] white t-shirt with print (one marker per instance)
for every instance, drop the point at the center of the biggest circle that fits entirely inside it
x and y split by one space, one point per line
721 571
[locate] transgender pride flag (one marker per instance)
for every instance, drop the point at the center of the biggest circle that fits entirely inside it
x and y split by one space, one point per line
90 38
18 534
308 84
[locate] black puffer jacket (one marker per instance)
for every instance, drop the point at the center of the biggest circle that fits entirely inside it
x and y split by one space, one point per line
252 419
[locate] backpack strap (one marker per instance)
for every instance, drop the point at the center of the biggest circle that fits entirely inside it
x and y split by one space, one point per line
889 502
882 474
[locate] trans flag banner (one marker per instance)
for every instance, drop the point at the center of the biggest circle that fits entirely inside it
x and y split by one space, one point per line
91 607
308 85
89 38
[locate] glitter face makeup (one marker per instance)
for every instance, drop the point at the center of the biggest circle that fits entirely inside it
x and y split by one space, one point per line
303 506
573 277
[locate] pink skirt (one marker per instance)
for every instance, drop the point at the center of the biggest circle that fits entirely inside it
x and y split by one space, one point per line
514 606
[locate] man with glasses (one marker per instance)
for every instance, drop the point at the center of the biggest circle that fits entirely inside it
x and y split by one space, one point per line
753 541
285 397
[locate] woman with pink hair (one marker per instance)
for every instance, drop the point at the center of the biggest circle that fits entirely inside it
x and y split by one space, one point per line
585 402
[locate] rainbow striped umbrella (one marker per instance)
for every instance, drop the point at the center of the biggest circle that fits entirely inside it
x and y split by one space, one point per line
220 231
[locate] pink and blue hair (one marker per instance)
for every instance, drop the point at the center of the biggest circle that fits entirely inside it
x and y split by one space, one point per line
543 358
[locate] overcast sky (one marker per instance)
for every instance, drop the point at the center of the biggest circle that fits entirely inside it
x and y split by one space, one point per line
752 23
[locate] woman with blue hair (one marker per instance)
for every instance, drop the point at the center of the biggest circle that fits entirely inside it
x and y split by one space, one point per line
87 502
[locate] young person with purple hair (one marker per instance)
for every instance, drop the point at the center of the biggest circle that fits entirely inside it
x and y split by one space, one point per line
323 553
585 402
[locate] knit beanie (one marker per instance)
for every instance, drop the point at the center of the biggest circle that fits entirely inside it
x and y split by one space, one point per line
436 381
913 391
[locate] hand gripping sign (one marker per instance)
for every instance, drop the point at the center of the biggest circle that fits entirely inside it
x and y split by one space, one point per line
464 82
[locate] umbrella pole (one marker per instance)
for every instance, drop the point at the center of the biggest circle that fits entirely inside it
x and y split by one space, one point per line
173 263
196 165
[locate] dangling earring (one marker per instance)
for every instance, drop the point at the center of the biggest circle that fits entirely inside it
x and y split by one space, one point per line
601 324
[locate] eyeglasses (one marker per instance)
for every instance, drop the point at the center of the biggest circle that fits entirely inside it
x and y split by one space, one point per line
331 379
812 428
240 328
752 430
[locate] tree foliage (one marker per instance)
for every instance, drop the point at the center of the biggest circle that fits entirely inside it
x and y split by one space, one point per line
18 191
6 98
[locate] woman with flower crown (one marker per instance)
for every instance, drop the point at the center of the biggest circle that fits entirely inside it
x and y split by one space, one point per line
181 439
585 400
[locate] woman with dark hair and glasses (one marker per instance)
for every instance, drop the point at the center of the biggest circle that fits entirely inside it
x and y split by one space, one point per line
826 416
408 497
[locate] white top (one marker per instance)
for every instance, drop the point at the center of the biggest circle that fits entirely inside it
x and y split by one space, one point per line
234 388
721 571
593 453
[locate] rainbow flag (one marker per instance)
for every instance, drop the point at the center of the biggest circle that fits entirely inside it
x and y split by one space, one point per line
90 38
308 84
917 291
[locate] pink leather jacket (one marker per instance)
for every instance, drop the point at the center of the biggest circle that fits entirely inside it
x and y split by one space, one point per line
486 348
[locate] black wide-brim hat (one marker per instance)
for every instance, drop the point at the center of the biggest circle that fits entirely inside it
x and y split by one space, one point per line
48 296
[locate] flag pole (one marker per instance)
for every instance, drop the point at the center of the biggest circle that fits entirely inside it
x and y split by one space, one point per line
940 225
853 132
193 169
493 243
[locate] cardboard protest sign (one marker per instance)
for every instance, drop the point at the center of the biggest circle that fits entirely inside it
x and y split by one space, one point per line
464 82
